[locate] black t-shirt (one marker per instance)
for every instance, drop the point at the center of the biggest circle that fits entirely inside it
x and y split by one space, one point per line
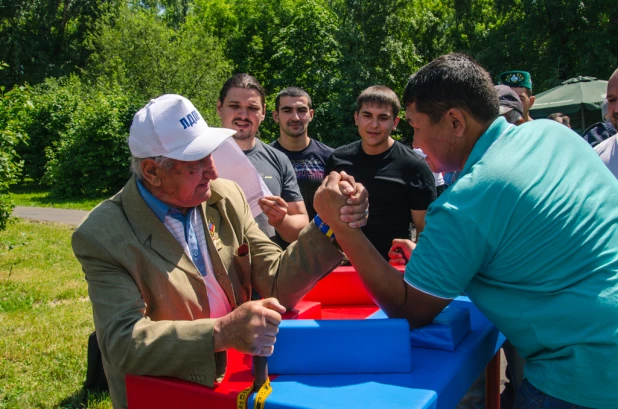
309 165
398 181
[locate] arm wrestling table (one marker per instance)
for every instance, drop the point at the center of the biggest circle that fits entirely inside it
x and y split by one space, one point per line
438 378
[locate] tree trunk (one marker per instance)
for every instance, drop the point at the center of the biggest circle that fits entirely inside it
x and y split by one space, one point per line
62 26
65 18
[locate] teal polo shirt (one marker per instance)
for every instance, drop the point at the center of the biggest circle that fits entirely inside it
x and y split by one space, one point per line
530 232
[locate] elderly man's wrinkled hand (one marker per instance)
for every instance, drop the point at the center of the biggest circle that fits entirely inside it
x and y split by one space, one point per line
251 328
275 208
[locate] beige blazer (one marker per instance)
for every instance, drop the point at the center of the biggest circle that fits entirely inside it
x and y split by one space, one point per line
150 302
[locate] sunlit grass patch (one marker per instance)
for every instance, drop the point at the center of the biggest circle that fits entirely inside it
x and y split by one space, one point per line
33 195
45 320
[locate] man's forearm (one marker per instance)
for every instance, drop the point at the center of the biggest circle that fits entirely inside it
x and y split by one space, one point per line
385 283
304 262
418 217
291 226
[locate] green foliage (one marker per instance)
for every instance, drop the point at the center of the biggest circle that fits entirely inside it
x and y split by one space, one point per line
553 39
307 54
13 104
92 157
332 48
41 38
77 137
376 49
173 12
54 103
147 58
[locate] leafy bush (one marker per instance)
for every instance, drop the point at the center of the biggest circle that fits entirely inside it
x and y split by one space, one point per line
92 156
54 103
13 107
138 51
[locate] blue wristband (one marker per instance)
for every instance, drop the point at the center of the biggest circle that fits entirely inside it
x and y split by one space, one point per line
323 227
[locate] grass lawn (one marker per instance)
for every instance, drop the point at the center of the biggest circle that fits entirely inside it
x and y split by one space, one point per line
32 195
45 320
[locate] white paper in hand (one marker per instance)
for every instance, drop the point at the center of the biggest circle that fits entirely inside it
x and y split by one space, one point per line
232 164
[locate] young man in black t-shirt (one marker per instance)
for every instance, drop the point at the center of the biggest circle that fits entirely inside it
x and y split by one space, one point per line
293 112
400 184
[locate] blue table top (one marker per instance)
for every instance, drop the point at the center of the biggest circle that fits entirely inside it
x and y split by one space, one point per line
439 379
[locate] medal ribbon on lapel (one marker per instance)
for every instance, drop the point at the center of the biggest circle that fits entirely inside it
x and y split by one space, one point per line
214 236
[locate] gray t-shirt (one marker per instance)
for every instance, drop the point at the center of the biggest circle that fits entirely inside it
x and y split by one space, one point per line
278 175
608 151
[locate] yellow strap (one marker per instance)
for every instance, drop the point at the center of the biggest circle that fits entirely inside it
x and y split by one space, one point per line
262 394
242 398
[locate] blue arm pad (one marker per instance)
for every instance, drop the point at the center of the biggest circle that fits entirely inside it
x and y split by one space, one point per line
445 332
341 346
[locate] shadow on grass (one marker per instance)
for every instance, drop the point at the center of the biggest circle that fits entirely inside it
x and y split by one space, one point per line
86 398
32 194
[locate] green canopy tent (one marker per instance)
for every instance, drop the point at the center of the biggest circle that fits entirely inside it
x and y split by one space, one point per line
580 98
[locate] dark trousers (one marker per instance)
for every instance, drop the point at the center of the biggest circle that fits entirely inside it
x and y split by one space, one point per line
530 397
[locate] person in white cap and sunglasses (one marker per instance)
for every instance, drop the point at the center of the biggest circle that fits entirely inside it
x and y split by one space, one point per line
171 260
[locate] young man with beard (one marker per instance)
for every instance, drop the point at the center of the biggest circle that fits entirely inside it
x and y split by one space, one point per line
398 179
242 107
293 112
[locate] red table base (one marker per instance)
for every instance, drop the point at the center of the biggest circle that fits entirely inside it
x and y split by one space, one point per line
340 295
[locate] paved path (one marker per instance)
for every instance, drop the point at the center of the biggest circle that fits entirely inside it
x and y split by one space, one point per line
49 214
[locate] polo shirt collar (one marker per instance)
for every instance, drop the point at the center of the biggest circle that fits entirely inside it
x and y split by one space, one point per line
159 208
497 128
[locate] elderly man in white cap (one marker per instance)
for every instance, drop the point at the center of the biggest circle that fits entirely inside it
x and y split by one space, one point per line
171 260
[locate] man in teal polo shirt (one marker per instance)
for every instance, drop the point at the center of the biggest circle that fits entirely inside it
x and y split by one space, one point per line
531 238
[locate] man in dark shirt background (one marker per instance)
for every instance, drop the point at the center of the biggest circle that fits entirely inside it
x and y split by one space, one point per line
293 112
400 183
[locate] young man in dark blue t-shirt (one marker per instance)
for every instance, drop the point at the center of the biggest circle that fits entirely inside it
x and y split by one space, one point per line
293 112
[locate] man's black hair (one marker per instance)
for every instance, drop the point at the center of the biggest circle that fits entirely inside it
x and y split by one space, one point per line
379 95
292 92
242 80
453 81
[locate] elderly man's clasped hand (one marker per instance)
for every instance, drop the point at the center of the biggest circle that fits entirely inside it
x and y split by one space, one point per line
342 202
251 328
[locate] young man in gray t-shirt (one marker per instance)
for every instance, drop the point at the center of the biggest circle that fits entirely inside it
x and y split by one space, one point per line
241 106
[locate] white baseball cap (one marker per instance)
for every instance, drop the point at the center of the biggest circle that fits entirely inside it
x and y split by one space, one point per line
171 126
